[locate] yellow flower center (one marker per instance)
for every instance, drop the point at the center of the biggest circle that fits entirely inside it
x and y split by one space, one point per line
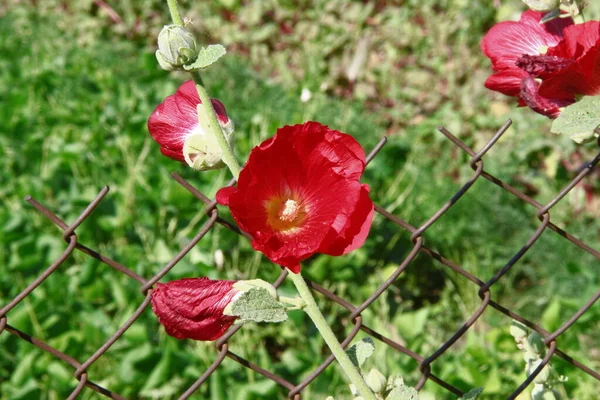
285 212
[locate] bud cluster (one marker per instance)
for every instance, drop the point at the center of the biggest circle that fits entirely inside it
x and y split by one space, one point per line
547 384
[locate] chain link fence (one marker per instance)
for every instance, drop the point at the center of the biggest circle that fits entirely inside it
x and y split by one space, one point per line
354 319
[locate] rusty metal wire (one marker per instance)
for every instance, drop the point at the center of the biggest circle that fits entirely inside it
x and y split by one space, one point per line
294 389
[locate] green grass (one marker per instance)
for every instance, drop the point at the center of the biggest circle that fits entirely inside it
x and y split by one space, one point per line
76 91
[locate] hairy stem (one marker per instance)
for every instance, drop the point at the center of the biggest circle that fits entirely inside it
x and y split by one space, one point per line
214 127
318 319
174 10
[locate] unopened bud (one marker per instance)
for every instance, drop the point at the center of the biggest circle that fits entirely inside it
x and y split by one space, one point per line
376 380
518 330
176 47
535 344
540 392
544 374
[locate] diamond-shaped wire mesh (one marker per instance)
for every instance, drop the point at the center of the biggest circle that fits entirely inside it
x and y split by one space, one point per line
425 362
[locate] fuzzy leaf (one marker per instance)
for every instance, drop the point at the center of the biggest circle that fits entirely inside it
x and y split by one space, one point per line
257 305
472 394
360 351
403 392
207 56
579 119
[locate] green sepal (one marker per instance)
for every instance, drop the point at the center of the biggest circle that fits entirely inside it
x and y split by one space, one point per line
403 392
579 119
361 351
206 56
202 152
472 394
258 305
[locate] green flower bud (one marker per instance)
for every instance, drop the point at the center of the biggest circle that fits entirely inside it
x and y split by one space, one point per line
544 374
540 392
176 47
535 344
376 380
518 330
542 5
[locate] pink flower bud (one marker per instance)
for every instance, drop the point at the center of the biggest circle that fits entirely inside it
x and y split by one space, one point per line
176 119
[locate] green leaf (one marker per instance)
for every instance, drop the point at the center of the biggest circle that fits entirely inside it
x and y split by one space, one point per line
403 393
207 56
472 394
360 351
258 305
579 119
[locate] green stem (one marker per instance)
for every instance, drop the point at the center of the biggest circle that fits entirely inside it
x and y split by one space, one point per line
174 10
210 121
318 319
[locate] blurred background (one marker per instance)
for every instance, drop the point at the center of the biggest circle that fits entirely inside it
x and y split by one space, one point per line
78 80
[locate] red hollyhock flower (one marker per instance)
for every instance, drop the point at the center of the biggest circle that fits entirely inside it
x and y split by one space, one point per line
299 194
516 50
176 118
193 308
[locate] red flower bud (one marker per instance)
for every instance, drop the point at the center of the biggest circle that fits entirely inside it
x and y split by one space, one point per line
176 118
299 194
192 308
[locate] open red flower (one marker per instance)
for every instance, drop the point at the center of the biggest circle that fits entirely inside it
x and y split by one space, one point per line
299 194
176 118
193 308
518 54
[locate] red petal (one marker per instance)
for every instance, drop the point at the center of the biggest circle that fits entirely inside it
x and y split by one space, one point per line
356 230
175 155
507 41
224 193
507 81
530 94
193 308
582 43
578 39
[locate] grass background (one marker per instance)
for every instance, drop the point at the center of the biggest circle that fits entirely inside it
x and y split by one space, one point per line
77 84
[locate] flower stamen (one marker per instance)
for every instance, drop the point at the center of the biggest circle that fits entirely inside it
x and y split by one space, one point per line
290 211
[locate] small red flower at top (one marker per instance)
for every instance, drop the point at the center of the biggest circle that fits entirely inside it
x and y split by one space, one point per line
176 119
518 51
193 308
299 194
